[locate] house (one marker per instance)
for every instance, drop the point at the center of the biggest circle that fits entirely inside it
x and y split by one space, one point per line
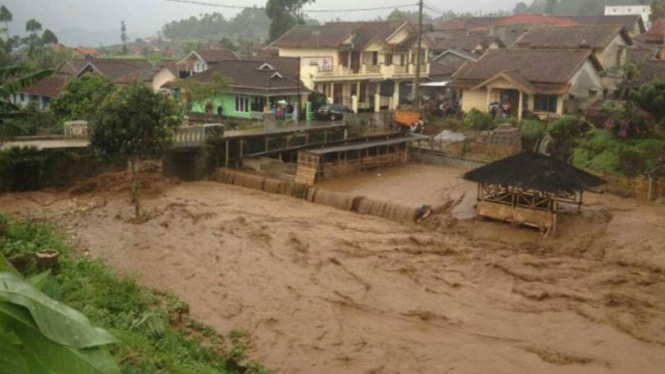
654 38
461 26
543 81
41 93
160 75
256 85
608 43
643 11
634 24
200 61
474 44
364 65
455 58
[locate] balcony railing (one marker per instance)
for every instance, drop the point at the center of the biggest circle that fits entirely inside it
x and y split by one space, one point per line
385 71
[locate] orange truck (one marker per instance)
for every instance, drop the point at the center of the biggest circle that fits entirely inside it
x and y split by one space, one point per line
407 118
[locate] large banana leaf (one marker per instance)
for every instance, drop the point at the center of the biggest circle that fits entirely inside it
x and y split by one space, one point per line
11 360
56 321
45 356
13 71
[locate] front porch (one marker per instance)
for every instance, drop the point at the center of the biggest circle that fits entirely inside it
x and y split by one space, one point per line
366 95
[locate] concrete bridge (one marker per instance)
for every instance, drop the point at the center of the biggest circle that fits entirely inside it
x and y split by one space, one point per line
186 137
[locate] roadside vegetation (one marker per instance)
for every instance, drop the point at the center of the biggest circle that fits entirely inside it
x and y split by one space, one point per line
153 329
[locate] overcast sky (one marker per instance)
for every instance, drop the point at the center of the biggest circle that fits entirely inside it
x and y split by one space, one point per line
145 17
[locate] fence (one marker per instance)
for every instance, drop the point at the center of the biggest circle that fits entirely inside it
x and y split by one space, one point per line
484 146
642 188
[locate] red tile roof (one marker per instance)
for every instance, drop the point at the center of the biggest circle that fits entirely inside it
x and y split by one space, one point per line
49 87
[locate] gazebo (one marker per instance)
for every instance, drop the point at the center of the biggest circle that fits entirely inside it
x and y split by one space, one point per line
527 189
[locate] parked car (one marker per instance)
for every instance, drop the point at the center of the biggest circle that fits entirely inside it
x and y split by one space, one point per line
332 112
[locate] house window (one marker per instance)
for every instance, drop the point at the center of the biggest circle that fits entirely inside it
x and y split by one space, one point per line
402 60
375 58
242 104
389 59
545 103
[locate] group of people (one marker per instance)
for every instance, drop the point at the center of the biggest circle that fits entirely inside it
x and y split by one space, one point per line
441 107
504 109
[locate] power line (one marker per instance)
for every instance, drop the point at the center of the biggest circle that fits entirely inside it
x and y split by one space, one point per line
434 9
306 10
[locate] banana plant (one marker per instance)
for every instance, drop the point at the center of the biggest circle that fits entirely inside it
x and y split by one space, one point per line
39 335
13 79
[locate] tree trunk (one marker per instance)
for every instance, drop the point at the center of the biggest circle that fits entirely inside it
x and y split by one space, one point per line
135 189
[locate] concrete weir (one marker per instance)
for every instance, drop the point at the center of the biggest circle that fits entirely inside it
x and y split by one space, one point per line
338 200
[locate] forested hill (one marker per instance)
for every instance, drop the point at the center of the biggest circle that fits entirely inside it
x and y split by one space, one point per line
572 7
250 23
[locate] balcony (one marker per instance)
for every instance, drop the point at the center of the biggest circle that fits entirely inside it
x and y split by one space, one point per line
381 71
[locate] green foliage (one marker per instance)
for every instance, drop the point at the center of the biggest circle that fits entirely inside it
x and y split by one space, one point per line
153 329
603 152
193 91
657 10
478 121
9 83
39 334
48 37
565 128
249 23
284 14
532 132
135 122
651 98
82 97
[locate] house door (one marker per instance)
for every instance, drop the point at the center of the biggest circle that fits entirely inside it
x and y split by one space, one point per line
363 92
343 58
513 98
355 62
338 94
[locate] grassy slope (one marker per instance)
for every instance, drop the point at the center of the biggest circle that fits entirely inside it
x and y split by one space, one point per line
157 335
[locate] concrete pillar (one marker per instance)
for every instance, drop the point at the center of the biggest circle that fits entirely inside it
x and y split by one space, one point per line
226 160
395 102
354 103
377 103
241 147
267 143
520 106
331 98
346 133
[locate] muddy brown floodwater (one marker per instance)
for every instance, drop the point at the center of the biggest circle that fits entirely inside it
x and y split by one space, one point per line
326 291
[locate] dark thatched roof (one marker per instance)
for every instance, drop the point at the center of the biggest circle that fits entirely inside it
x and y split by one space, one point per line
534 171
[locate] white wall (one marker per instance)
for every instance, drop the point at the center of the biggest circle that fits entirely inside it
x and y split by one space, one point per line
623 10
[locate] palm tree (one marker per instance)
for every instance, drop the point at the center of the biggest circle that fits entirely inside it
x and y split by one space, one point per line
12 79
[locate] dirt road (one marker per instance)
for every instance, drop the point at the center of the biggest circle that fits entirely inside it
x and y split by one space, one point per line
326 291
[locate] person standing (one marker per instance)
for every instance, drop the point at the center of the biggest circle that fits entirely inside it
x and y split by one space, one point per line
295 114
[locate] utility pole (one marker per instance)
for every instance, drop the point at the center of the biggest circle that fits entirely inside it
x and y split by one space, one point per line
416 82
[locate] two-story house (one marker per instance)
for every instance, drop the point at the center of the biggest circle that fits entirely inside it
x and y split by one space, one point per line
364 65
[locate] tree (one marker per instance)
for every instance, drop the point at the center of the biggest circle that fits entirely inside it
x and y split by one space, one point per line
284 14
135 122
123 37
657 10
550 6
521 8
48 37
32 26
40 335
81 98
6 17
193 91
651 98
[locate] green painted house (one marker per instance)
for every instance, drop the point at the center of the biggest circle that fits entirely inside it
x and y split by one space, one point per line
256 86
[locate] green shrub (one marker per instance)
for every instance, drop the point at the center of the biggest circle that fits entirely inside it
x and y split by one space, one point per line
477 121
532 131
564 128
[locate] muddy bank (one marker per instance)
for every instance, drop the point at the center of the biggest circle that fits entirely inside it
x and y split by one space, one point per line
326 291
